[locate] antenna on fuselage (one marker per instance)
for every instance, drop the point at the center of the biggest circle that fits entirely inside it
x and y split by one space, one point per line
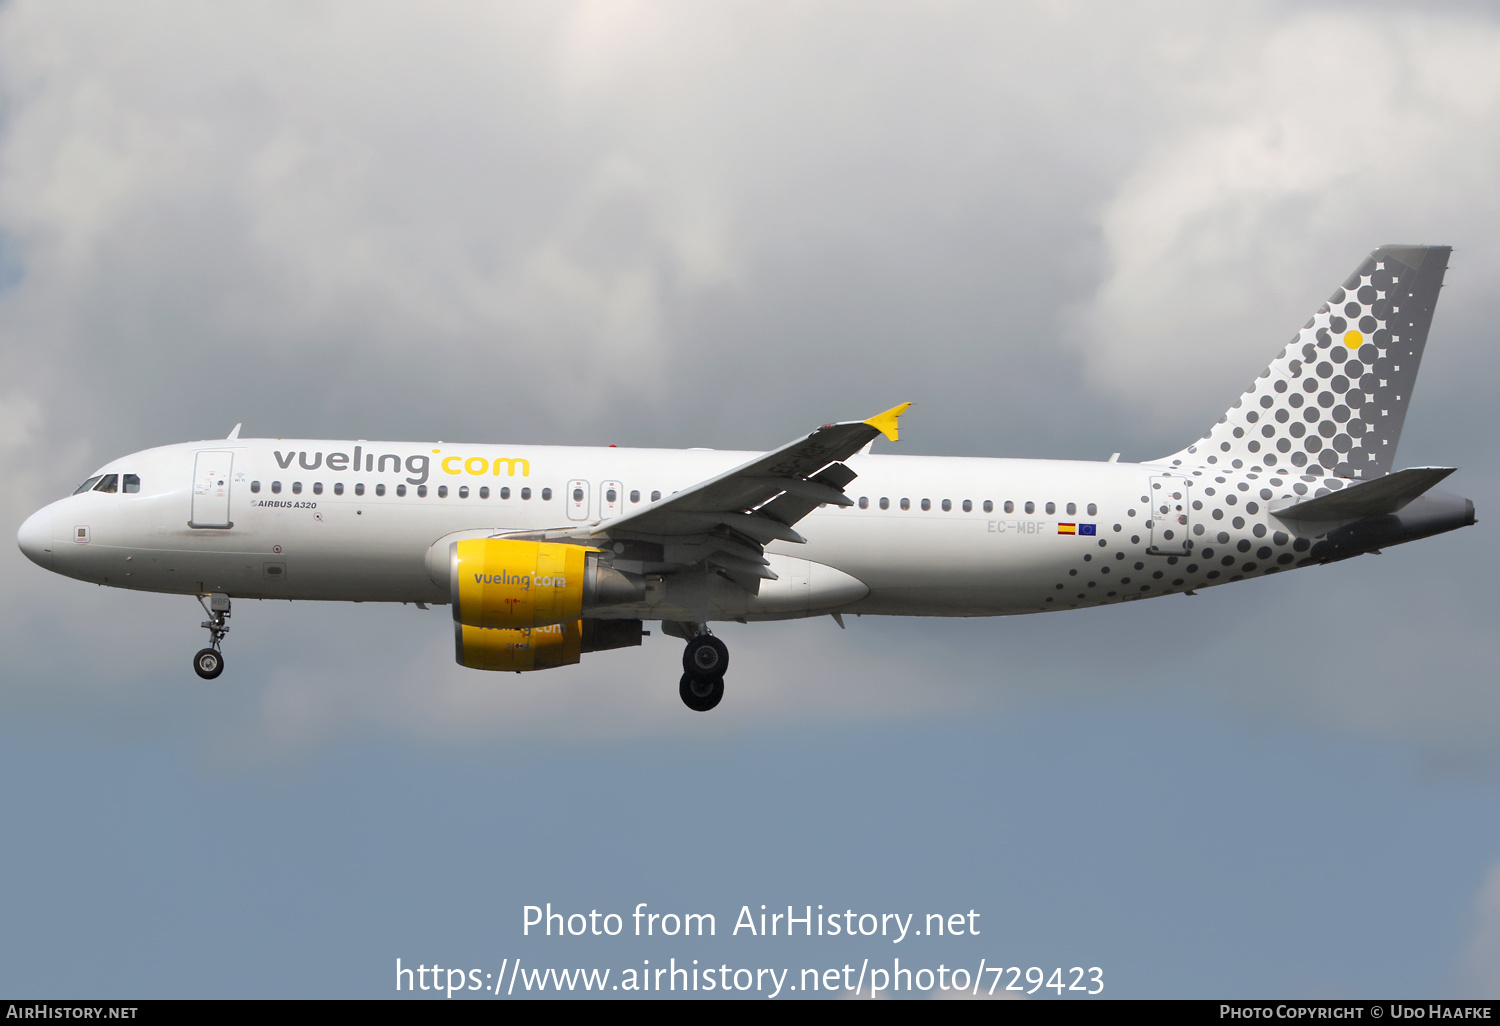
235 433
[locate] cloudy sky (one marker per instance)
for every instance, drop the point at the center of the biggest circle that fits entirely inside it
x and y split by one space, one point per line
1062 231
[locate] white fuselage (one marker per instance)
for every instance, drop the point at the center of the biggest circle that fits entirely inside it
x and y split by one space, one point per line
928 536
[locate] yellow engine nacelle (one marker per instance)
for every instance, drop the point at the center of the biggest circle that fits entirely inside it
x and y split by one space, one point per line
509 584
540 648
527 648
501 583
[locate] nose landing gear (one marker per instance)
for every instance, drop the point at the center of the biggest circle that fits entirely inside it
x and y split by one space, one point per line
703 661
209 662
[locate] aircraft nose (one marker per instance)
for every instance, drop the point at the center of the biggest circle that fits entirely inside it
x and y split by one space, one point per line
35 538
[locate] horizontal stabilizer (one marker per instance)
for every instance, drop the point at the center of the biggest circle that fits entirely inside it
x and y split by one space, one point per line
1376 497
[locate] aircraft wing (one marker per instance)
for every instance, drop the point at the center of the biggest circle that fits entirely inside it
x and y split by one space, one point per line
726 520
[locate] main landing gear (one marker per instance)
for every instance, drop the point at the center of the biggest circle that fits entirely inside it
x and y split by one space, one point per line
703 662
209 662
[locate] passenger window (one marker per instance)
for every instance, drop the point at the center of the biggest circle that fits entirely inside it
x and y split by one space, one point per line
1030 507
86 486
1072 508
885 503
610 495
968 506
1051 507
380 489
108 483
463 491
505 492
635 495
1093 510
1010 507
546 494
296 487
401 490
255 486
864 502
421 491
442 491
275 487
655 496
132 483
526 493
317 487
359 489
906 503
947 505
989 507
484 492
338 488
926 505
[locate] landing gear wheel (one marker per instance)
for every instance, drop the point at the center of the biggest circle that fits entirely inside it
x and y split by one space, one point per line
705 657
208 663
700 694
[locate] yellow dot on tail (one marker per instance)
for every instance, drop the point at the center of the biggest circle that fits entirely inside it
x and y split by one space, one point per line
1354 340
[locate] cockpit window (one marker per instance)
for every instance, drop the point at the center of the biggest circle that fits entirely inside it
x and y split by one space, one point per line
108 483
87 485
132 482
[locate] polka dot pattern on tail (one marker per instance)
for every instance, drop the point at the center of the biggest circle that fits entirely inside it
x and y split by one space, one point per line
1335 399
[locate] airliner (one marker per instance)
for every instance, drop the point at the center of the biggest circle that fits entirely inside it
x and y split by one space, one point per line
547 553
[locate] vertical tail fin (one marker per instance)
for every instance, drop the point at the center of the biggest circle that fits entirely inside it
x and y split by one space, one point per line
1334 400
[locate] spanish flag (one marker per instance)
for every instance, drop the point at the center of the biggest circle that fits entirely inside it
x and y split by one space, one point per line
1067 528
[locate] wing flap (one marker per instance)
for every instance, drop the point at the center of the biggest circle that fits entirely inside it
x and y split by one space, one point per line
758 528
811 488
743 566
827 486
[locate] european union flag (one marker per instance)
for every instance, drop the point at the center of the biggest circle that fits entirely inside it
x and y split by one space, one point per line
1086 528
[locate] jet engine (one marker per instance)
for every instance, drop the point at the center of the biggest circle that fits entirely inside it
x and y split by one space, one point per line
514 585
540 648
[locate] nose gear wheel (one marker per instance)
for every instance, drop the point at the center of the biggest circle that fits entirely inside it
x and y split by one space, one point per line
209 662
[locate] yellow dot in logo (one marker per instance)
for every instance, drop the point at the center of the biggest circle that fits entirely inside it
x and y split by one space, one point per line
1354 340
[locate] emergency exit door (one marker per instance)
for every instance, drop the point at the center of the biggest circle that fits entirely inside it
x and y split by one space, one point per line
611 499
578 500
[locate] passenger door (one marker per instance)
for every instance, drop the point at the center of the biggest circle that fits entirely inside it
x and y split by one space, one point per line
1169 515
211 476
